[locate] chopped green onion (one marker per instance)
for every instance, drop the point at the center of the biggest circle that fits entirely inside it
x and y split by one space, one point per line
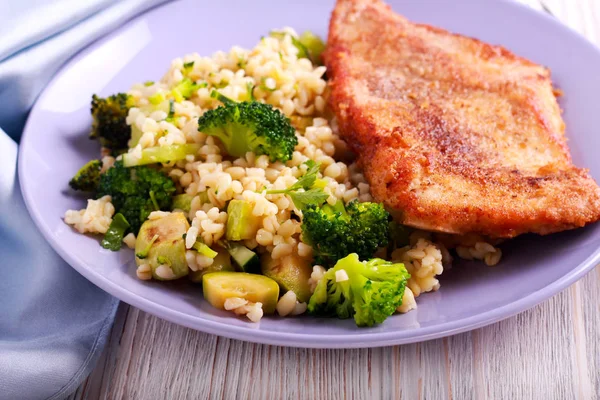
144 253
221 84
203 249
250 90
157 98
184 90
188 66
162 260
221 97
171 116
115 233
263 85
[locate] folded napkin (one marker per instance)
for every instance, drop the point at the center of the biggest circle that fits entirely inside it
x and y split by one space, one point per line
53 322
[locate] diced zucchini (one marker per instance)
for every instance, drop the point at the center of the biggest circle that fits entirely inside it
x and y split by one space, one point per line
161 104
219 286
241 224
160 242
204 197
291 272
136 135
182 202
314 45
245 259
222 262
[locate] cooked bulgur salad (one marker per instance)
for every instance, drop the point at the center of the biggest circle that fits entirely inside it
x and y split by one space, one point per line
229 172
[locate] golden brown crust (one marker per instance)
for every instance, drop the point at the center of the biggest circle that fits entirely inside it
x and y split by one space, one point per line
454 134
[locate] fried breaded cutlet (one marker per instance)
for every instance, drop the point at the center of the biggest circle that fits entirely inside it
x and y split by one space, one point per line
454 135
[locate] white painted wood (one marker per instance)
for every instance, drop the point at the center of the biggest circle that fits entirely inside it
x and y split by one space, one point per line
549 352
591 320
520 357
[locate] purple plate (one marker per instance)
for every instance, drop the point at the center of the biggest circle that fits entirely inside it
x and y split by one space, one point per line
55 145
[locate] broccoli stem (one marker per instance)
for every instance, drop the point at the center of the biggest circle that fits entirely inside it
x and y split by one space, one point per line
161 154
153 199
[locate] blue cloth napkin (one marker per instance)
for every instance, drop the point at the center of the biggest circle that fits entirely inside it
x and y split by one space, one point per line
53 322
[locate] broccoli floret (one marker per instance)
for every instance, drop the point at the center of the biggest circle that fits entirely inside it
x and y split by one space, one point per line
336 231
368 290
109 125
136 192
87 178
250 126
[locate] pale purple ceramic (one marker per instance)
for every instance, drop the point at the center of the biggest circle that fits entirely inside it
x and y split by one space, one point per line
55 145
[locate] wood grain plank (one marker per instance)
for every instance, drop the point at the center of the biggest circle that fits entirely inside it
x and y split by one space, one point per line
92 387
434 373
461 368
581 374
521 357
591 317
584 16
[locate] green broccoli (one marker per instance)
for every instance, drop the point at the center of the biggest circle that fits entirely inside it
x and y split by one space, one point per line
109 125
336 231
368 290
250 126
87 178
136 192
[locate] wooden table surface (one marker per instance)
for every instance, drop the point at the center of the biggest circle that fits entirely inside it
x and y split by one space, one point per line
549 352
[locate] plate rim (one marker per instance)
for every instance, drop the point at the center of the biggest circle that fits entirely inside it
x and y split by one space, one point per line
289 339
